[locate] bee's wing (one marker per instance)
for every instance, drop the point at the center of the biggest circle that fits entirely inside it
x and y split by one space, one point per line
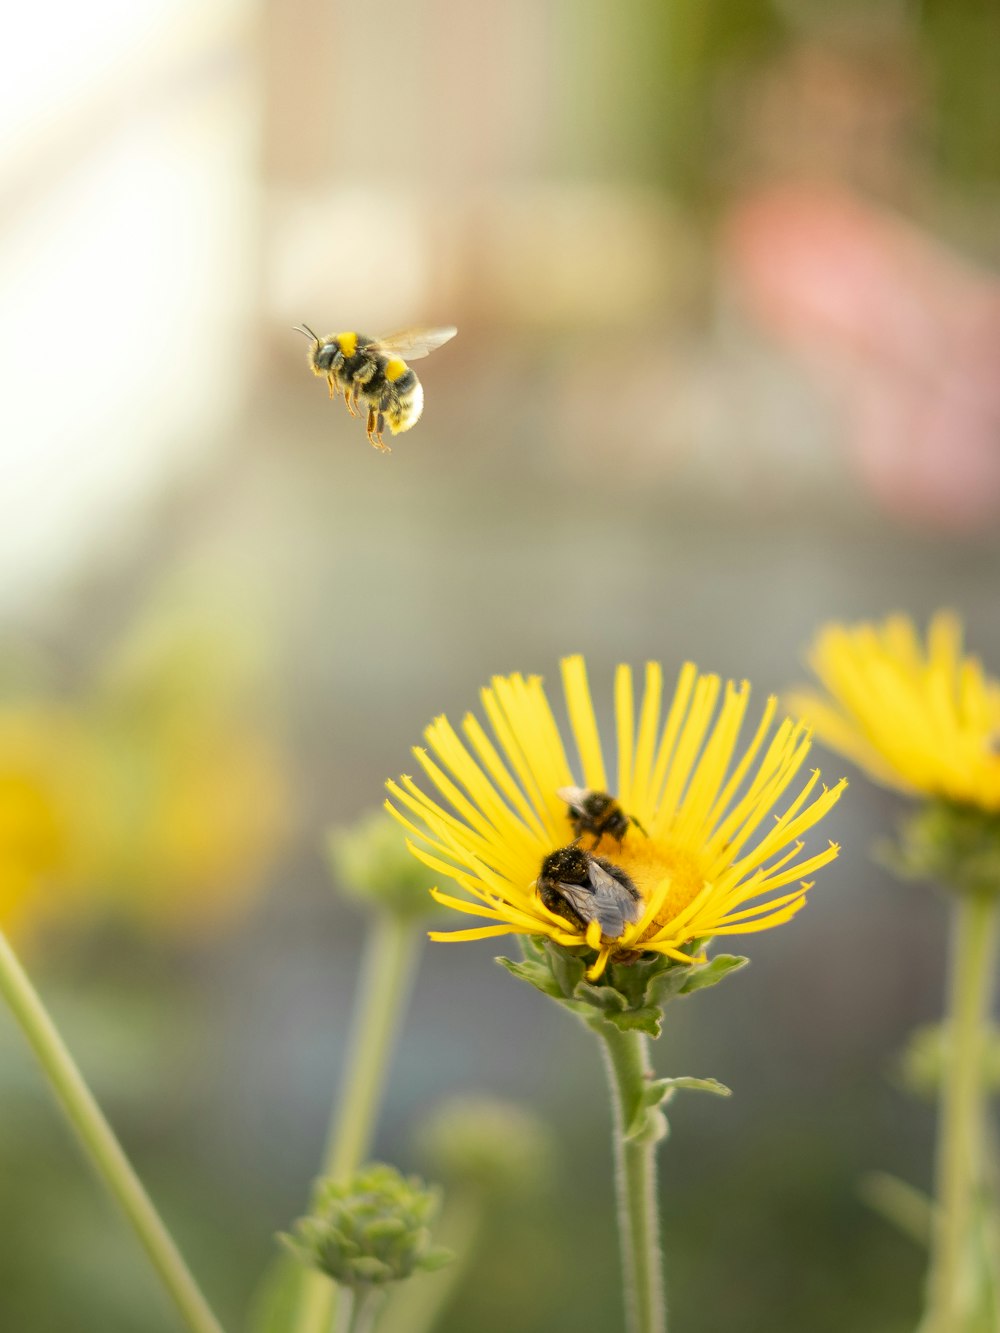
573 796
580 898
612 904
412 344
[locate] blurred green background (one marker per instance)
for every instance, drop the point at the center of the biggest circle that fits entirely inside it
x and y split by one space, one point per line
725 277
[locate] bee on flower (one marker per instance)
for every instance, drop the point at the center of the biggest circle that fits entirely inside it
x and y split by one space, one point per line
695 858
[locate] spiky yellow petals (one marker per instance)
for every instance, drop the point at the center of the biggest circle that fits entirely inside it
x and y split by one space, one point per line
921 718
697 849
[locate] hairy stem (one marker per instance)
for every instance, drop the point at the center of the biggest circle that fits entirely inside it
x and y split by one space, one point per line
961 1128
627 1061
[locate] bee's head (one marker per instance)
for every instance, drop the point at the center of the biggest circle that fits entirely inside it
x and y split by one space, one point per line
317 349
324 352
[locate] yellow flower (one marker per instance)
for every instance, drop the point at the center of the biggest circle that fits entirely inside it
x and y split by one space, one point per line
202 809
695 853
925 721
50 814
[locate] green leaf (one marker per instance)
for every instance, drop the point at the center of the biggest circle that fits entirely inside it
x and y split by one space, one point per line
907 1208
697 1085
648 1124
712 972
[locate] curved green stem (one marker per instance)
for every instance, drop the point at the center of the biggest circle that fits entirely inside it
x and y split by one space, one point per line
100 1144
383 989
963 1106
627 1060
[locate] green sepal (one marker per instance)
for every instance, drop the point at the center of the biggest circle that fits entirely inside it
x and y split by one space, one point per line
535 974
944 842
712 972
629 997
437 1257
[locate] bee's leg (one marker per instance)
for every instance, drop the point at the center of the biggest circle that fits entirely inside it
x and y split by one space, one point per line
351 401
633 820
375 427
331 374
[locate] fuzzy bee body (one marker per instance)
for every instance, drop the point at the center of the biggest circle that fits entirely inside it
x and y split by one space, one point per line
582 888
374 371
596 813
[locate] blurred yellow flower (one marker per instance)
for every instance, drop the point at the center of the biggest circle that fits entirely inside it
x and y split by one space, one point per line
202 808
51 822
923 720
691 851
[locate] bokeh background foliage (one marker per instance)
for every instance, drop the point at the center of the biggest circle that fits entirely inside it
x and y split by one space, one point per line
725 278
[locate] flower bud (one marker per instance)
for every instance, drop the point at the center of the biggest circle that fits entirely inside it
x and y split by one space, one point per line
370 863
369 1230
487 1144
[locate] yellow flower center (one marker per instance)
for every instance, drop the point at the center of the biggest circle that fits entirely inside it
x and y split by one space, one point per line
650 861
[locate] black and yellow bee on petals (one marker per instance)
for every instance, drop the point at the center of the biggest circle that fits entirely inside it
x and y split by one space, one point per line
582 888
596 814
374 371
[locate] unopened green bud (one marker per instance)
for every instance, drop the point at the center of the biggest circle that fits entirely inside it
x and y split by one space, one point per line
370 862
369 1230
487 1144
957 846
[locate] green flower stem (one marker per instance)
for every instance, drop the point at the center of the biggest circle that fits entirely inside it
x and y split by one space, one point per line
962 1122
361 1308
383 990
418 1306
627 1060
100 1144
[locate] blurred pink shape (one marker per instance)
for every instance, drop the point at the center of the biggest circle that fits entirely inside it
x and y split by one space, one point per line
907 333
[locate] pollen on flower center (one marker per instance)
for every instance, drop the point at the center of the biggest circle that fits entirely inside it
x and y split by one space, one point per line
650 861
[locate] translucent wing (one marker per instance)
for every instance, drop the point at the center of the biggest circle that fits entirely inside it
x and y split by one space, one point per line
412 344
580 898
573 796
606 901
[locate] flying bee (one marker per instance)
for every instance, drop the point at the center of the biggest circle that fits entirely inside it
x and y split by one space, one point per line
596 813
373 371
582 888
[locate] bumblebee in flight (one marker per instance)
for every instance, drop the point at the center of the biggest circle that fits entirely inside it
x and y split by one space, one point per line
582 888
374 371
596 813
